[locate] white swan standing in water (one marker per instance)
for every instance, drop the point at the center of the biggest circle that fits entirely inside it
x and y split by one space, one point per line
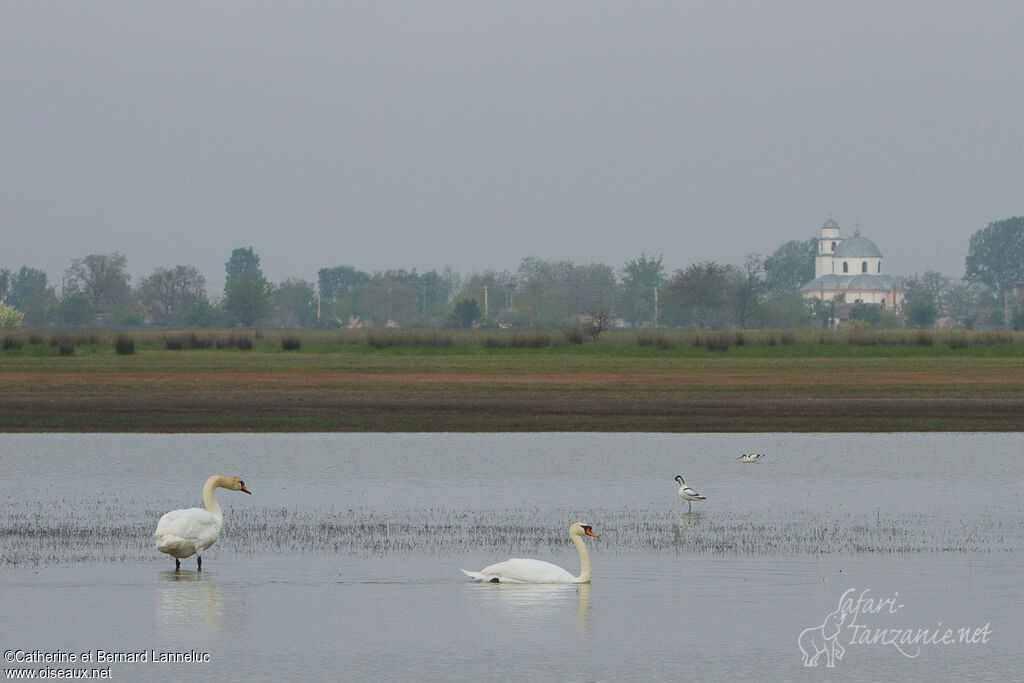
519 570
686 493
183 533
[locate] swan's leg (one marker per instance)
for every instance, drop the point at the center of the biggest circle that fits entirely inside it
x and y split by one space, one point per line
177 564
199 563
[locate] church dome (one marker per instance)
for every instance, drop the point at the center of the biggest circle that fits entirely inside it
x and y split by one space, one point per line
857 247
831 224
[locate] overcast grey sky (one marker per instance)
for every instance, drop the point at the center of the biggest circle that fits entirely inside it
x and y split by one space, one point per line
471 134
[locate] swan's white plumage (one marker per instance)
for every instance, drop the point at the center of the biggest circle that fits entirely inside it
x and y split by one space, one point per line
190 531
527 570
523 570
183 533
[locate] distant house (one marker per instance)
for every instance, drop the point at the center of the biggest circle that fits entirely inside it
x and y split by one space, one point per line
852 269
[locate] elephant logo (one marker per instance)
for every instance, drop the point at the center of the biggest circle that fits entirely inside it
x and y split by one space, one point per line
823 639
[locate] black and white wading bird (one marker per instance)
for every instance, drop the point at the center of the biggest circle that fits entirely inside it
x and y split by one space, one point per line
686 493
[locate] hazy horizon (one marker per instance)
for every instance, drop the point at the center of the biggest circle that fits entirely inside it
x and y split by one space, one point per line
391 135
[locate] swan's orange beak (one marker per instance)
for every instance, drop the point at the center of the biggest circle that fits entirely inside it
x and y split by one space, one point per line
590 532
245 490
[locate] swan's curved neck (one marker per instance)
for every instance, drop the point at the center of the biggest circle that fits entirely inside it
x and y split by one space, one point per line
209 500
584 576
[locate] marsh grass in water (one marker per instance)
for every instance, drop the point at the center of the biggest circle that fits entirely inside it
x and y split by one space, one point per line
69 532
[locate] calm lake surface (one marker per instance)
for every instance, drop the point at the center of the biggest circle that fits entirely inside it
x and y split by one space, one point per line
344 563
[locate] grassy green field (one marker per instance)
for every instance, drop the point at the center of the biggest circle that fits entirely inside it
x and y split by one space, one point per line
200 381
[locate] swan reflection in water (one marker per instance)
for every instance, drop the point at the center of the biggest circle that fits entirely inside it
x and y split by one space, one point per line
538 600
183 598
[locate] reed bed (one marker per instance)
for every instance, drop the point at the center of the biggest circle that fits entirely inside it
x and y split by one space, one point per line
124 345
613 342
11 341
70 532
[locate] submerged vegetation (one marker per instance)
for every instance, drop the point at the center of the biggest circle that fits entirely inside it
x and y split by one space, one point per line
102 531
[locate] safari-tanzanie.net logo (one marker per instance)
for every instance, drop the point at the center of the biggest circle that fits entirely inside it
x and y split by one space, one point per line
863 620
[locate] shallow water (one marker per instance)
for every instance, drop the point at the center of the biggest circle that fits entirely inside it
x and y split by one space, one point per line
344 563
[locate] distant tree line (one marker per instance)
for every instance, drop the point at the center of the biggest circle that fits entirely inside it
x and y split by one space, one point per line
763 292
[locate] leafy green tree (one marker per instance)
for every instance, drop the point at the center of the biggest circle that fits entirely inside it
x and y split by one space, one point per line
402 296
168 292
27 282
822 312
963 301
552 294
888 319
748 283
102 278
388 298
294 303
76 310
199 313
594 288
499 286
340 289
700 297
30 294
790 267
930 288
339 281
5 283
410 294
995 255
640 278
466 312
870 314
780 313
920 313
246 291
994 320
128 316
435 293
541 298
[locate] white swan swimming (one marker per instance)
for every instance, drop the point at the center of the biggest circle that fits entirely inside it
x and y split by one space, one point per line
686 493
751 457
182 533
519 570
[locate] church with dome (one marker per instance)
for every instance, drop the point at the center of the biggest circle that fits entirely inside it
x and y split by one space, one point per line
851 267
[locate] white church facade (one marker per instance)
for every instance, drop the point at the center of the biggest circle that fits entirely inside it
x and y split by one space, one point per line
851 268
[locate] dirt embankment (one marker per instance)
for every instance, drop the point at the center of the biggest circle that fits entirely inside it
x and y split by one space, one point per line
747 395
